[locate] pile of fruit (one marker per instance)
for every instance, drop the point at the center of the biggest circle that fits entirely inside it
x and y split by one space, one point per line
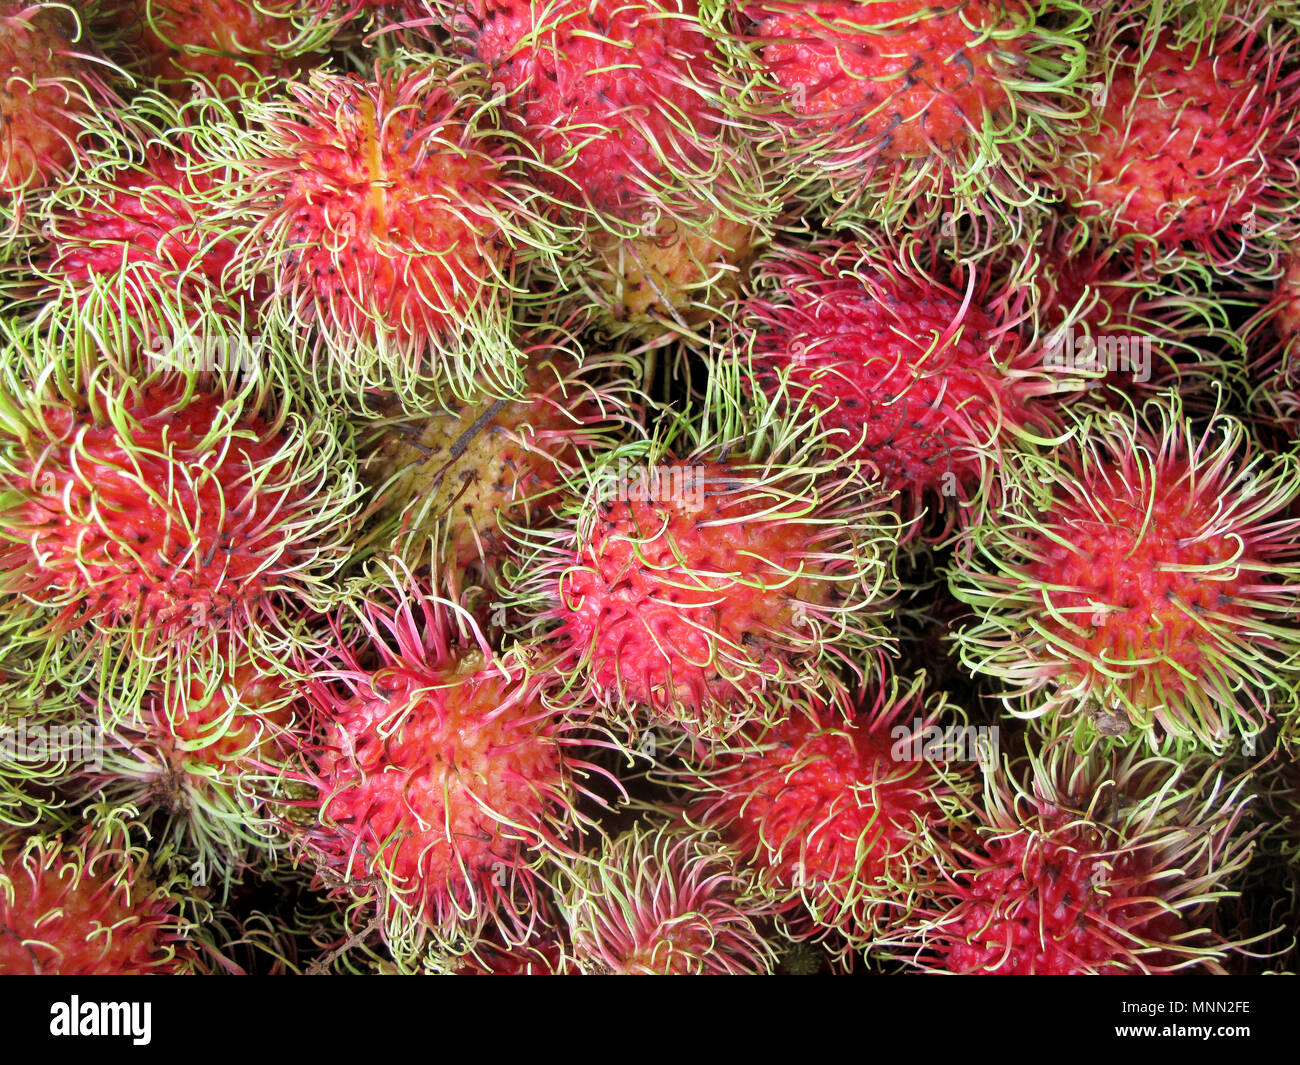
655 486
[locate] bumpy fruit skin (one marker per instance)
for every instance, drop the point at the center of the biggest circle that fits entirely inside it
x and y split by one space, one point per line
470 469
164 511
399 230
382 225
621 97
909 112
78 910
1096 864
693 592
900 79
222 43
439 771
675 277
666 901
48 88
137 243
1141 578
209 755
1191 145
906 373
830 808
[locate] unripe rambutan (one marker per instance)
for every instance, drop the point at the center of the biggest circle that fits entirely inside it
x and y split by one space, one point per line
87 908
831 808
220 44
441 777
700 587
663 901
467 469
1108 863
887 111
1194 143
173 511
396 231
925 383
53 81
674 279
1143 578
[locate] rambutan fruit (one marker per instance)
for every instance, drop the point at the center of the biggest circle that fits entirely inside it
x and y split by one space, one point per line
624 102
210 756
441 779
923 382
89 907
700 578
143 243
1141 579
660 901
831 807
397 232
1107 863
461 473
1273 348
53 81
623 98
900 111
1194 143
219 45
169 517
671 280
1122 330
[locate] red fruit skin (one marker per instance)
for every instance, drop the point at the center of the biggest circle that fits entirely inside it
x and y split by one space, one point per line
63 915
155 531
436 772
47 89
390 209
902 79
823 806
1045 903
146 226
1147 555
909 375
1187 148
652 604
622 96
226 43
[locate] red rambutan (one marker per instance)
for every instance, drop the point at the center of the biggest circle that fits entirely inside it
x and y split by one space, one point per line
925 383
441 776
53 81
831 806
396 230
1101 864
222 44
175 512
869 110
662 901
1143 577
1194 144
703 588
87 908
